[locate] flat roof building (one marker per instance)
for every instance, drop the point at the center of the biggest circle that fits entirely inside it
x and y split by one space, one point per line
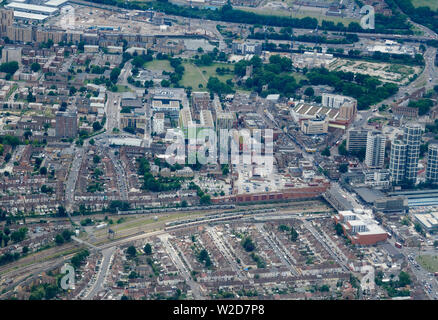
21 15
56 3
360 228
32 8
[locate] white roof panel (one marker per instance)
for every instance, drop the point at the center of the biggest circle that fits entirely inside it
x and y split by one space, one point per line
31 7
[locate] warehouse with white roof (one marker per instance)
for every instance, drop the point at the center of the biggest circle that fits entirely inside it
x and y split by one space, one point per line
32 8
56 3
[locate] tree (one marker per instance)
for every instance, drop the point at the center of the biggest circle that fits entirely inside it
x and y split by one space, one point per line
293 235
97 126
147 249
35 67
326 152
9 67
205 199
43 170
96 159
309 92
114 76
66 234
247 244
339 230
131 252
61 212
343 167
59 239
404 279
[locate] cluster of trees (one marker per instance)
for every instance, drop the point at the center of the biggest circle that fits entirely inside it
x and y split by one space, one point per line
10 140
19 235
257 259
118 204
9 257
291 230
422 15
178 68
204 60
248 244
156 185
423 106
64 236
204 257
393 287
204 198
98 69
366 89
139 60
219 87
44 291
274 75
79 257
393 58
9 68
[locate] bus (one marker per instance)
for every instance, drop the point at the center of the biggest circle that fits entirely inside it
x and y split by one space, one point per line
398 245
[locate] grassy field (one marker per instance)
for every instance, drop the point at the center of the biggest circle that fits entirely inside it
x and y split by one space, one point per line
121 88
433 4
429 262
284 13
159 65
194 75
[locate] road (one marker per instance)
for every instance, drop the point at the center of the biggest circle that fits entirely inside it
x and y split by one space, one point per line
280 250
226 252
112 111
173 254
422 275
105 265
73 174
322 241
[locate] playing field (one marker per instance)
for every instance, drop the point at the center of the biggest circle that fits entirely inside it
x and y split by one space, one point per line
194 75
429 262
300 14
433 4
159 65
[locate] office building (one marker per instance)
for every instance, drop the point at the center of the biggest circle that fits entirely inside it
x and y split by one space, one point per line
66 124
432 163
360 229
314 126
334 100
375 152
397 161
356 139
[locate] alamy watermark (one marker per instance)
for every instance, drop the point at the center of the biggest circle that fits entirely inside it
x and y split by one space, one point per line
368 20
68 280
206 146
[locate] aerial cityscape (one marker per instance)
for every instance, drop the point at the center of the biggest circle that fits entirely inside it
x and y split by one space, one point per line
219 149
